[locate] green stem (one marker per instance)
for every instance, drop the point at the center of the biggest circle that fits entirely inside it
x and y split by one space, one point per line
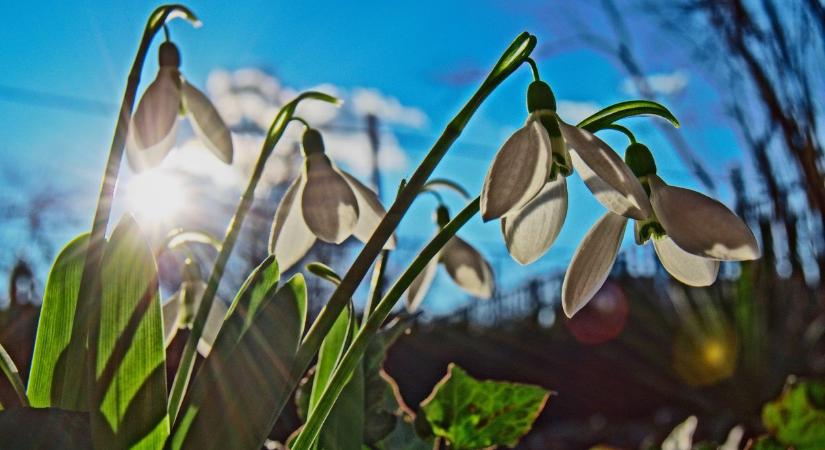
355 352
376 285
13 375
511 60
88 292
187 361
621 129
535 69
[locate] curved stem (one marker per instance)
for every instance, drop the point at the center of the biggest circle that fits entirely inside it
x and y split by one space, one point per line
621 129
187 360
298 119
355 352
535 69
88 298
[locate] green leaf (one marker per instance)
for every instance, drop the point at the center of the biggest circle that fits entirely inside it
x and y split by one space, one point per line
13 376
797 417
56 378
403 437
332 347
234 395
130 390
623 110
473 414
343 428
42 428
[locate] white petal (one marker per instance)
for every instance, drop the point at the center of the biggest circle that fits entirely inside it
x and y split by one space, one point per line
207 123
530 231
370 211
701 225
681 438
170 317
467 268
328 203
605 174
214 322
290 238
592 262
686 267
518 171
153 127
421 285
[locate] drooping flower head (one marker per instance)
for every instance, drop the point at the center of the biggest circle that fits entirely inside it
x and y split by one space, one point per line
324 203
526 184
691 233
464 264
153 127
179 311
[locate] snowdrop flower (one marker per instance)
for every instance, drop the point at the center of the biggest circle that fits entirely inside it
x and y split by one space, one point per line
179 311
526 184
691 233
323 203
465 265
154 125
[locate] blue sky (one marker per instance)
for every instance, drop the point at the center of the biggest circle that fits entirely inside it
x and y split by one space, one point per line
423 53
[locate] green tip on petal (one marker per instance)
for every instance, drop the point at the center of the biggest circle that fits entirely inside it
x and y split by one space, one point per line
540 96
640 160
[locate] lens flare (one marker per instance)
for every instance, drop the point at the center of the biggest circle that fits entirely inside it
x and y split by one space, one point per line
155 196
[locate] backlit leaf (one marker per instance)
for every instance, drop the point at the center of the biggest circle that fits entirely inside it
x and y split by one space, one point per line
56 379
130 388
235 393
473 414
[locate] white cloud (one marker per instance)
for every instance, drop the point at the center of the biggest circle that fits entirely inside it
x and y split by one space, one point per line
660 83
574 112
370 101
248 100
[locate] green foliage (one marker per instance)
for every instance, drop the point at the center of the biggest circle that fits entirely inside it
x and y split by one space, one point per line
131 372
766 443
55 380
797 417
234 395
473 414
622 110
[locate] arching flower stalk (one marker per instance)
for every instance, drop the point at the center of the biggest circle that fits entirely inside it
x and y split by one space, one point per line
179 311
691 233
526 184
463 263
324 203
154 125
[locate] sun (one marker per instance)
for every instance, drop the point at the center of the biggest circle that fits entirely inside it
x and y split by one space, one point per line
155 196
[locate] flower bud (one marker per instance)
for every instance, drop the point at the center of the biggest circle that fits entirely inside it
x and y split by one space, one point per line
640 160
312 142
540 96
169 55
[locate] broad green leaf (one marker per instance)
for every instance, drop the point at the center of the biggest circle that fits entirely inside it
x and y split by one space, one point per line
797 418
258 289
56 378
343 429
473 414
44 428
403 437
130 389
234 395
624 110
332 347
